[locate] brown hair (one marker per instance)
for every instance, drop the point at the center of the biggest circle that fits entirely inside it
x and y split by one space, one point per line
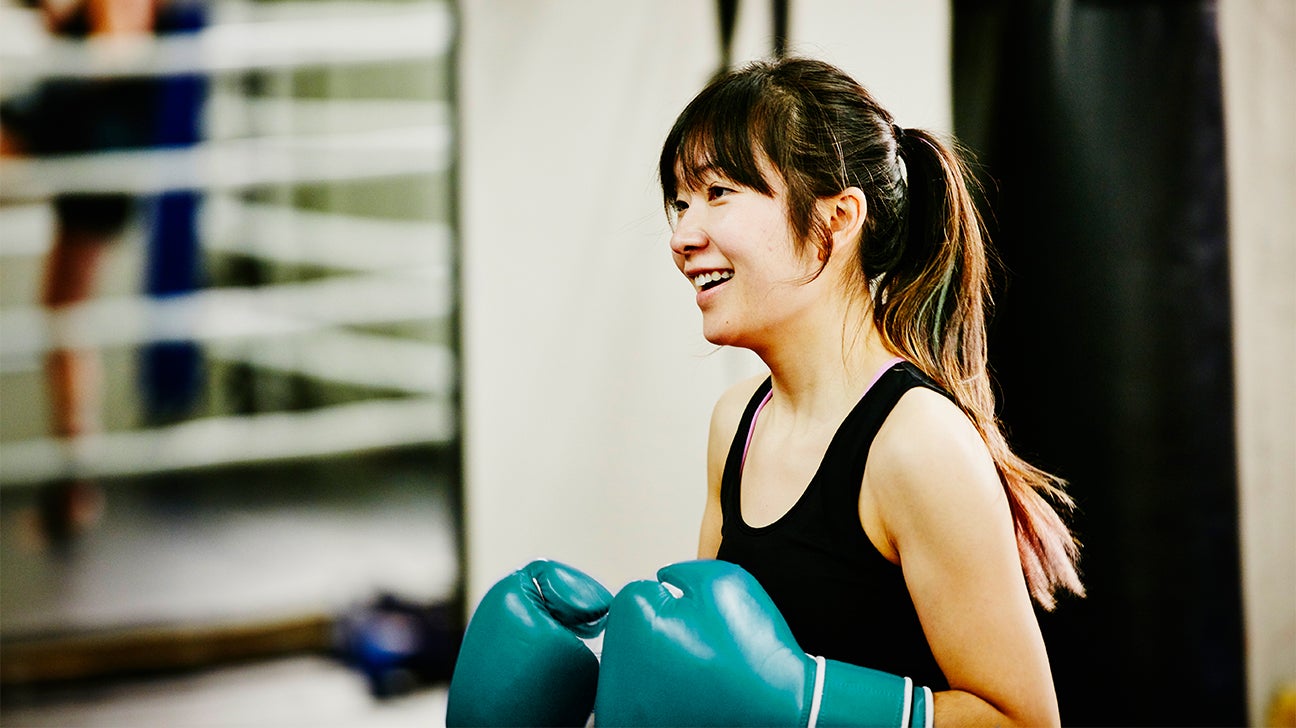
923 256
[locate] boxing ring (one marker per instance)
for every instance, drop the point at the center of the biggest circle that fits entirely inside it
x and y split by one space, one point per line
326 321
402 273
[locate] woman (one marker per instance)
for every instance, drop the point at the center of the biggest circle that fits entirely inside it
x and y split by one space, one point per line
864 482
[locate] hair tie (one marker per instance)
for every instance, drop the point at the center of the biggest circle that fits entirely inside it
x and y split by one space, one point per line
899 133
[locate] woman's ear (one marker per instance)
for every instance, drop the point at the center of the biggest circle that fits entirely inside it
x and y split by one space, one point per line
846 212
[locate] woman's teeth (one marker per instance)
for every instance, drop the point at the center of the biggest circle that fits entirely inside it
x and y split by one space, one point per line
705 280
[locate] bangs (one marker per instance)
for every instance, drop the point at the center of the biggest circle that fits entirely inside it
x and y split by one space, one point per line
724 130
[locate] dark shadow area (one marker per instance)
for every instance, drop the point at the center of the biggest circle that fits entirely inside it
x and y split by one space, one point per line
1098 126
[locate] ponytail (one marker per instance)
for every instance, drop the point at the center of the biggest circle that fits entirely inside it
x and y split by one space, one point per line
931 307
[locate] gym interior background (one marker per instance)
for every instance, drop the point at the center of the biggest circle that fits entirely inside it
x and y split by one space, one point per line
426 330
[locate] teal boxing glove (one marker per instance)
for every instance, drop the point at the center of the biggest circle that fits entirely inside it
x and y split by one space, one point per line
705 646
522 661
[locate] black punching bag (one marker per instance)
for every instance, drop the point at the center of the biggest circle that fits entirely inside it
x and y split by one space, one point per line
1099 131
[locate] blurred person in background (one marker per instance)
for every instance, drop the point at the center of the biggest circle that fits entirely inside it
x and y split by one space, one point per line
85 115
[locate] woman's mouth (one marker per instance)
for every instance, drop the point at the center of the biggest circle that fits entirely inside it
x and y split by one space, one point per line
710 279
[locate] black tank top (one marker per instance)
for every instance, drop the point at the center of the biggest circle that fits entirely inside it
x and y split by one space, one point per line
842 599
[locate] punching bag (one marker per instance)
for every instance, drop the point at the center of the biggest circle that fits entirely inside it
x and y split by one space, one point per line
1099 131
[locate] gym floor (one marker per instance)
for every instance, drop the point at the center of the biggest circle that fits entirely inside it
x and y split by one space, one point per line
235 546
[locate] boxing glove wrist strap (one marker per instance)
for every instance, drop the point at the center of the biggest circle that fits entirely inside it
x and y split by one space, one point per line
851 695
817 700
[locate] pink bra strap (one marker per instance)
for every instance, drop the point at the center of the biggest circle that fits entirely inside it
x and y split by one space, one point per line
751 428
885 368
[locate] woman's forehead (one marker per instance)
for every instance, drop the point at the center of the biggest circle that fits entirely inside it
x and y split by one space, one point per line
692 172
699 172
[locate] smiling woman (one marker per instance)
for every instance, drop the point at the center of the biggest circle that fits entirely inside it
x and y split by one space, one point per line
864 483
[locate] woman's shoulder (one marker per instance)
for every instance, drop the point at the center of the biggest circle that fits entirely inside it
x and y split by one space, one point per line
928 455
730 406
724 424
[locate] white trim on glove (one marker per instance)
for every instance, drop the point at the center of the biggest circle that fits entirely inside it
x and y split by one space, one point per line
908 703
820 668
816 700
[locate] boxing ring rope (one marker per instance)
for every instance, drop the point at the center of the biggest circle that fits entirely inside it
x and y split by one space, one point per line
383 271
272 233
242 37
232 164
225 313
228 319
238 439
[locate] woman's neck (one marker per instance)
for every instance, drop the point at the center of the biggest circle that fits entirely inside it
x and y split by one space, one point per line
822 367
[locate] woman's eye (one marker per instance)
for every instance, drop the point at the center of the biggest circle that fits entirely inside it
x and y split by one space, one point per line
680 206
715 192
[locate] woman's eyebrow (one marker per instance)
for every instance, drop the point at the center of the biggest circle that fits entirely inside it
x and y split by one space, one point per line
705 174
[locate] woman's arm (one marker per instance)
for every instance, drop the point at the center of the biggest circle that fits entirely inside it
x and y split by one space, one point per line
724 423
945 518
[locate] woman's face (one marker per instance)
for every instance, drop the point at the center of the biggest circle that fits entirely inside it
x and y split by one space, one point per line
735 246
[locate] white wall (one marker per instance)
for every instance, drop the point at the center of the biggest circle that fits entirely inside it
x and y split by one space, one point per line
588 386
900 51
1258 48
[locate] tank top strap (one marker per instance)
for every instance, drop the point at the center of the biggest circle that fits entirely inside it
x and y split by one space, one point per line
732 476
862 424
842 470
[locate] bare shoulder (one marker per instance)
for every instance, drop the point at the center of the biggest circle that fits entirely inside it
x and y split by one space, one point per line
929 463
729 408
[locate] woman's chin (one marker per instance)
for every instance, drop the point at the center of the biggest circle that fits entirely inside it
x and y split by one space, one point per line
720 335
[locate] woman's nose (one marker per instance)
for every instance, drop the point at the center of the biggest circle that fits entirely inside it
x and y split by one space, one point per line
687 238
